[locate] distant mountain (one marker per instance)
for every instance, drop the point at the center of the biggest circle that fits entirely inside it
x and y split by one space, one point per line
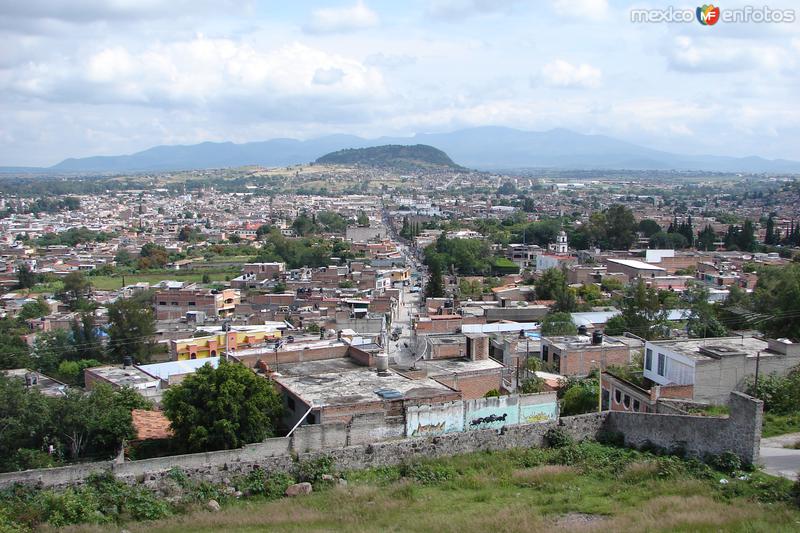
483 148
397 156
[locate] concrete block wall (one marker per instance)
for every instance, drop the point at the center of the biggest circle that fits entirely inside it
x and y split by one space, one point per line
696 435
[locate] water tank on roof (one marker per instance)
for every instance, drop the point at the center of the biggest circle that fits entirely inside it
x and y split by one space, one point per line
597 337
382 364
581 330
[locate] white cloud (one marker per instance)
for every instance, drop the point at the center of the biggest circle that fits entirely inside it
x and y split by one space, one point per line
342 19
461 9
714 54
201 72
560 73
328 76
581 9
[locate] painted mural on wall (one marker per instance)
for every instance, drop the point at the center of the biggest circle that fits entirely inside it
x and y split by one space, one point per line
483 413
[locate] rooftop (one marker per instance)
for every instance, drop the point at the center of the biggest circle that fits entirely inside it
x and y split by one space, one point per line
173 368
150 425
124 377
583 341
44 384
358 386
632 263
717 348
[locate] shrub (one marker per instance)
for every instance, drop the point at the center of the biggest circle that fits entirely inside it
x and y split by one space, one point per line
494 393
428 473
259 483
313 469
727 462
611 438
557 438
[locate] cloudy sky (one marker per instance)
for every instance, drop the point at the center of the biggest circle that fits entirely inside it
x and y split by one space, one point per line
98 77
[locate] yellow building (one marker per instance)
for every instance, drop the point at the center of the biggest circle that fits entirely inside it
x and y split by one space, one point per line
214 345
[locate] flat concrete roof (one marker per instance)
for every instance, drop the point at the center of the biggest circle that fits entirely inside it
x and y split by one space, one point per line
44 384
438 367
357 387
313 368
176 368
583 342
124 377
723 346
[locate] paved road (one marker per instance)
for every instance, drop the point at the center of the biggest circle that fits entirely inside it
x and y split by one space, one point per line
778 460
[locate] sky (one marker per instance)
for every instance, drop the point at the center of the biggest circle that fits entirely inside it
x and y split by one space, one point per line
108 77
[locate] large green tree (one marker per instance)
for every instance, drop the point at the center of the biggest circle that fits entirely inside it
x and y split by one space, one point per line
131 330
222 408
556 324
703 321
76 290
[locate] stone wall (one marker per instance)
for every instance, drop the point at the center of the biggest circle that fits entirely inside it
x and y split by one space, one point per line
357 445
696 435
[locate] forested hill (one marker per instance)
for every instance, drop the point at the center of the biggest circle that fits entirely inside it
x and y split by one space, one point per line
390 155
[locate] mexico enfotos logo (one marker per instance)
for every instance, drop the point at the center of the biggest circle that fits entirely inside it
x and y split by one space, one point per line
709 15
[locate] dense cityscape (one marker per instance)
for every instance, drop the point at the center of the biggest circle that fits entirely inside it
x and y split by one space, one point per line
396 306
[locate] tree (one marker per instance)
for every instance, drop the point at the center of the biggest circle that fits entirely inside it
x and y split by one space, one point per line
234 238
771 237
153 256
550 284
556 324
580 396
435 286
706 239
777 298
24 420
131 330
642 313
26 279
86 338
97 422
363 219
668 240
187 234
620 227
222 408
35 309
76 290
649 227
52 347
703 321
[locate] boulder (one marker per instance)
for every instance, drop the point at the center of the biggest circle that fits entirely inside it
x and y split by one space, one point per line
298 489
213 506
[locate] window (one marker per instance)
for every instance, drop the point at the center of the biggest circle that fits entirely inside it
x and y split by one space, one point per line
173 303
626 401
662 364
617 396
290 403
192 304
648 359
545 352
162 303
636 405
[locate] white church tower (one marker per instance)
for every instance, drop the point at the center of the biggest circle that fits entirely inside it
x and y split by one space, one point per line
560 247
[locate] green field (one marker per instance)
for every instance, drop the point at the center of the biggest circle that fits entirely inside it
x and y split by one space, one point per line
115 282
780 424
585 487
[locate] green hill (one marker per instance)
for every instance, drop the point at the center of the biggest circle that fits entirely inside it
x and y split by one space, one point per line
390 155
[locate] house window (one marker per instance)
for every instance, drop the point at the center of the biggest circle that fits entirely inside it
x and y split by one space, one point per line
648 359
162 303
545 353
626 401
636 405
662 363
192 304
617 396
173 303
290 403
311 418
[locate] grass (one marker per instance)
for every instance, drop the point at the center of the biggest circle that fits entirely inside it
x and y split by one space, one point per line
775 424
576 488
711 410
106 283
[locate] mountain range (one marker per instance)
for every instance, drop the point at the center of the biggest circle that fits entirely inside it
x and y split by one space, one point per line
485 148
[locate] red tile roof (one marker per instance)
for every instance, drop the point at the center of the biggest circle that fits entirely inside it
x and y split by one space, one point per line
150 425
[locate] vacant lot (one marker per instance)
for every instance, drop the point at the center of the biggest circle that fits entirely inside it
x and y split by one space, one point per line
586 487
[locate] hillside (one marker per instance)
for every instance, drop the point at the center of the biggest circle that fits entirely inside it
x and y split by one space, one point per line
579 487
390 155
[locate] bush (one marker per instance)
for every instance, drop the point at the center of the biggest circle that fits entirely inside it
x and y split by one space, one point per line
428 473
259 483
494 393
611 438
580 398
557 438
313 470
727 462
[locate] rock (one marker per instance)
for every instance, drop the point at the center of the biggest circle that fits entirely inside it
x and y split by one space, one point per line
238 494
213 506
342 482
327 477
298 489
